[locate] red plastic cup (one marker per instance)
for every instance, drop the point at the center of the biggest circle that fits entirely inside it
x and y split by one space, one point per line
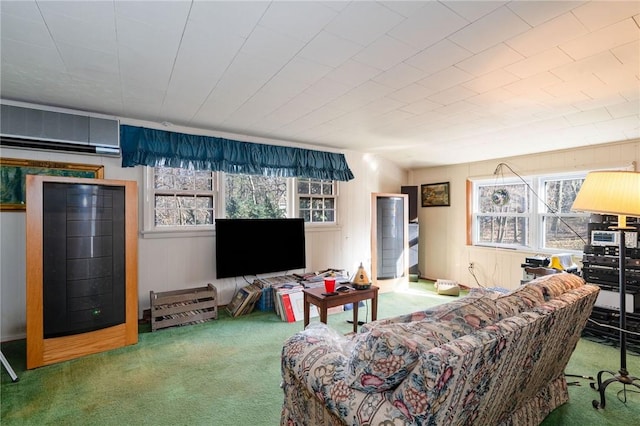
330 285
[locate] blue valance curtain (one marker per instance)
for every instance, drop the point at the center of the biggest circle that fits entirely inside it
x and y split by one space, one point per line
150 147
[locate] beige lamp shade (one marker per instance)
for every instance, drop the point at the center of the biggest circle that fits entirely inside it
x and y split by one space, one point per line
610 192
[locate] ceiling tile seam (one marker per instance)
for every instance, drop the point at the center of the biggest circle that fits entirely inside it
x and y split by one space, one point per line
53 40
382 71
444 3
323 29
121 83
330 100
383 4
583 59
421 51
593 32
509 42
291 98
615 56
587 29
530 27
175 60
551 18
206 99
463 27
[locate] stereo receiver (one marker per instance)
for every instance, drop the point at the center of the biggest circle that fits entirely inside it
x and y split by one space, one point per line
612 238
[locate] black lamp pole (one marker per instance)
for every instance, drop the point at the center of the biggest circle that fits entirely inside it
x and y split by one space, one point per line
623 375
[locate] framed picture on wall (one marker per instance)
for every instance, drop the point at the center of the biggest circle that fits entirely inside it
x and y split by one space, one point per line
13 172
435 194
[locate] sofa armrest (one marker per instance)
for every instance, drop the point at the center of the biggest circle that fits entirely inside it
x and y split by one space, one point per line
316 345
314 364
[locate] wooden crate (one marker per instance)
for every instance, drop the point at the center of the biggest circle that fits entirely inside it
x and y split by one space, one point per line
180 307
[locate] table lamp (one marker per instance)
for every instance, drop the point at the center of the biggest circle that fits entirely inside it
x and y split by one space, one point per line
613 193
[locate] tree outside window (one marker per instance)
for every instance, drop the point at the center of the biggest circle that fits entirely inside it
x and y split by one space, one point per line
183 197
255 197
532 213
502 217
562 228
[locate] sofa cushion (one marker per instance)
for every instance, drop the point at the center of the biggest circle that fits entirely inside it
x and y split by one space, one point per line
554 285
474 311
457 307
383 356
524 298
466 368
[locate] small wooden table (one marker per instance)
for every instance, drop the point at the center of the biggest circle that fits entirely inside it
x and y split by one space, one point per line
315 296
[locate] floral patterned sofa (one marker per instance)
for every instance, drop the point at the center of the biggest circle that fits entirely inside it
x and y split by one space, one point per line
485 359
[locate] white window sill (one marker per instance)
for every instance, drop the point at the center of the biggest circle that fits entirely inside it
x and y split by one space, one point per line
210 232
178 233
321 227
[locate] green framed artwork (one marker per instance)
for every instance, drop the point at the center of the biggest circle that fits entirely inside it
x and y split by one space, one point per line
13 171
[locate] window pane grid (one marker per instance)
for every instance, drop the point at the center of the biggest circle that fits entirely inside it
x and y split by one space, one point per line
504 198
316 200
317 209
182 179
512 214
503 230
559 194
560 232
315 187
189 198
183 198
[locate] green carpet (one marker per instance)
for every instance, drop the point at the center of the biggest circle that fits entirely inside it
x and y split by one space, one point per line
227 372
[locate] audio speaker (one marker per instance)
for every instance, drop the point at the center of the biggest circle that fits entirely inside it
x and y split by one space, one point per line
412 192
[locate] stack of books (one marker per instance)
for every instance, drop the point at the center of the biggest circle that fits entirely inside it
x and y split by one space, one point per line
244 300
265 303
288 300
316 279
283 294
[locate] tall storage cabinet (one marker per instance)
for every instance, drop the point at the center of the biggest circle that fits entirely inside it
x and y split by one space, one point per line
390 240
82 267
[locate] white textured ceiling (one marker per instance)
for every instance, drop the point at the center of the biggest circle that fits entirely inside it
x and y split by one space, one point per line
419 82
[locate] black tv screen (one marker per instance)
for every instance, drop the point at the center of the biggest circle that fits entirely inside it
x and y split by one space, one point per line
259 246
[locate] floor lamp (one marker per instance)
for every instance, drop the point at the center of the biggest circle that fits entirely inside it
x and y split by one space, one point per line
613 193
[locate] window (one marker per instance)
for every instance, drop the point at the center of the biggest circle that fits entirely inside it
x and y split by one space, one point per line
271 197
503 214
532 213
316 200
180 198
255 197
562 229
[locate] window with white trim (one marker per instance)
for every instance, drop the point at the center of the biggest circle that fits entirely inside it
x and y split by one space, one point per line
560 228
180 198
247 196
190 200
316 200
530 213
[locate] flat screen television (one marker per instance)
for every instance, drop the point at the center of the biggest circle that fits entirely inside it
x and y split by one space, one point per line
259 246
